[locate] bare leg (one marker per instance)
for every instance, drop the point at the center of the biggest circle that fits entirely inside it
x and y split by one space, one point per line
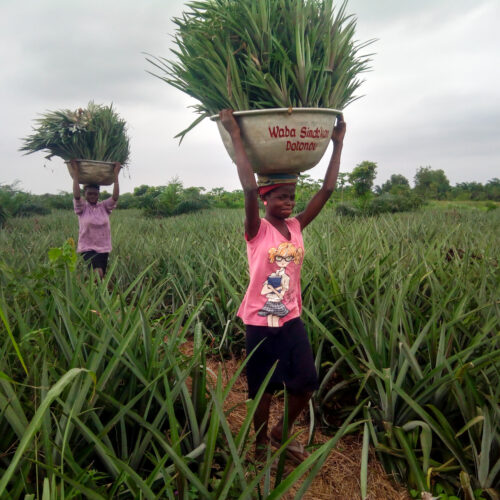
260 422
296 403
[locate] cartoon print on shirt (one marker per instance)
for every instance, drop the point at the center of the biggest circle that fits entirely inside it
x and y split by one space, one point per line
278 282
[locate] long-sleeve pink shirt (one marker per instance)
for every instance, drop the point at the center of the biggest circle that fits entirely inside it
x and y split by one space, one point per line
94 229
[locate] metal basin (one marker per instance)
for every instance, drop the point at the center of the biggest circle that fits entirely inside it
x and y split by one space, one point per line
93 172
282 140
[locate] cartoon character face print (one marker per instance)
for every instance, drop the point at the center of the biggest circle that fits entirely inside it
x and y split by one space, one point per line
278 282
283 261
285 253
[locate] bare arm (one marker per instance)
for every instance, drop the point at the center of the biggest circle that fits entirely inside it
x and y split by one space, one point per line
76 180
116 186
245 174
318 201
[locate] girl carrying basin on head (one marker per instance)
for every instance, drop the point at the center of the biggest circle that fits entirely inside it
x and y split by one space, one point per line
272 304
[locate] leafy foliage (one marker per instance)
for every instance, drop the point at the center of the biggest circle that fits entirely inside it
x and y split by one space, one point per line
64 256
392 313
247 54
94 133
362 177
173 199
99 401
385 203
431 183
3 216
16 203
397 184
476 190
305 190
220 198
389 203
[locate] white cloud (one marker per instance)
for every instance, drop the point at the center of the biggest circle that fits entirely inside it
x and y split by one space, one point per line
431 98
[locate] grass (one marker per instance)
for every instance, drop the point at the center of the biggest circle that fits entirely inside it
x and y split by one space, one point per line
402 312
464 205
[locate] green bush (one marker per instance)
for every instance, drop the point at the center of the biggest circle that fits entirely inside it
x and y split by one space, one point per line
61 201
347 210
220 198
16 203
385 203
28 209
173 199
390 203
3 216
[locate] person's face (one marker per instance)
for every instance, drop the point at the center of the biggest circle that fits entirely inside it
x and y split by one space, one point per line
92 195
280 201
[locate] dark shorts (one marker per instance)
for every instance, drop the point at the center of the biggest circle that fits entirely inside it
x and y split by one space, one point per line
288 344
96 260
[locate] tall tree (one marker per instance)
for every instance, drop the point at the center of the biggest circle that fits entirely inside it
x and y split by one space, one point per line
431 183
469 191
492 189
362 177
397 184
342 181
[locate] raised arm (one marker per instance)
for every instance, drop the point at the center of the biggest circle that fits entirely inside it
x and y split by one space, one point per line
245 174
116 185
76 180
318 201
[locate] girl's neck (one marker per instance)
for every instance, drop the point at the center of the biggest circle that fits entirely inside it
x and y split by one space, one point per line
280 224
276 221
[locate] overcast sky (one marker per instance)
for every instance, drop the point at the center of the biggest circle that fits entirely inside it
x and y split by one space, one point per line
432 97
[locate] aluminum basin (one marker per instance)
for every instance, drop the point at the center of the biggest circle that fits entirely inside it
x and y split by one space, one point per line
94 172
282 140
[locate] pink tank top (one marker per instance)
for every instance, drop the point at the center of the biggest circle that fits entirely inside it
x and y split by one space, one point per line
273 295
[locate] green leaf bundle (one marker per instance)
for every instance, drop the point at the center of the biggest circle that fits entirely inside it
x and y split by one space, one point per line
95 133
258 54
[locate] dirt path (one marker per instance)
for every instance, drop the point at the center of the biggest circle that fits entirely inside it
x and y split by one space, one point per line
339 476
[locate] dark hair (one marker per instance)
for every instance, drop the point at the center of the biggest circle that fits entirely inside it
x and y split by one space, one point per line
87 186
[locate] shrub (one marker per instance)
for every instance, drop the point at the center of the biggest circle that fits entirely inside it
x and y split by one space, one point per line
385 203
16 203
346 210
392 203
3 216
219 198
190 205
173 199
61 201
490 206
28 209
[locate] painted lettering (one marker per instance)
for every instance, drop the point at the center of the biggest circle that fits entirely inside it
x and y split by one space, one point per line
314 133
301 146
278 132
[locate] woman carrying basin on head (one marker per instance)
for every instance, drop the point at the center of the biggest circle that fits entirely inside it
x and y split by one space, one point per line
94 234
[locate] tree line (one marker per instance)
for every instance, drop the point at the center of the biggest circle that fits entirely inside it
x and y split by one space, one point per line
355 194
